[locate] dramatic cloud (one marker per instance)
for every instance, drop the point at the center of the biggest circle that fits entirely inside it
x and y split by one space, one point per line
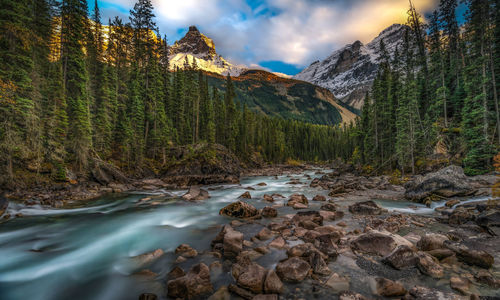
295 32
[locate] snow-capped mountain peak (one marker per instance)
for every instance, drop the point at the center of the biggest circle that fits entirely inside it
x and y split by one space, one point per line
349 72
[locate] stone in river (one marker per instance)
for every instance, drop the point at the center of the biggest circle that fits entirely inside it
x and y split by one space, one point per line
195 283
239 209
293 269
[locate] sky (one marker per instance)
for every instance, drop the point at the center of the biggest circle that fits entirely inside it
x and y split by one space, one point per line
279 35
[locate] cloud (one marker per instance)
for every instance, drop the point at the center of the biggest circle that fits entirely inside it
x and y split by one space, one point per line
292 31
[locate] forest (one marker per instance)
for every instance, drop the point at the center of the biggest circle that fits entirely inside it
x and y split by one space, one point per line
73 89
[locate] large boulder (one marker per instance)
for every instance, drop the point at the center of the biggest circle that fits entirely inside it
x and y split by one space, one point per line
431 241
374 242
303 217
252 278
486 218
228 241
429 265
273 284
366 208
194 284
297 199
402 257
269 212
293 269
448 182
239 209
195 193
479 258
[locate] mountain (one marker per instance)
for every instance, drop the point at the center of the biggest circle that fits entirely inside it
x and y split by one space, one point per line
277 96
200 51
349 72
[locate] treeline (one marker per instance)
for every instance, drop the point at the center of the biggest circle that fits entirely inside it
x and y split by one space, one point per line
73 89
437 94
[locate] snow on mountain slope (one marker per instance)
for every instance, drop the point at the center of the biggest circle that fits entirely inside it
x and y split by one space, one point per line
349 72
199 50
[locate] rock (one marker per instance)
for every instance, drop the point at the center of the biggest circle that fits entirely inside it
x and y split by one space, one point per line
374 243
252 278
148 296
312 216
388 288
424 293
293 269
331 215
175 273
486 218
278 243
301 250
269 212
273 284
297 199
328 207
245 294
428 265
431 241
268 198
194 284
262 184
4 203
349 295
460 284
473 257
275 195
265 297
196 193
148 257
338 283
441 253
239 209
186 251
485 277
180 259
319 198
230 241
318 264
245 195
461 215
300 206
221 294
448 182
402 257
264 234
366 208
452 202
326 243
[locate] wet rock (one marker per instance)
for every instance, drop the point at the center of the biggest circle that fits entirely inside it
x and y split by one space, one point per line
186 251
278 226
269 212
264 234
473 257
221 294
349 295
275 195
424 293
273 284
278 243
485 277
485 219
175 273
319 198
245 195
262 184
374 243
428 265
293 269
252 278
148 296
300 206
401 258
388 288
431 241
312 216
338 283
318 264
448 182
461 215
460 284
301 250
180 259
194 284
441 253
196 193
328 207
366 208
268 198
451 202
297 199
229 241
148 257
327 244
239 209
331 215
245 294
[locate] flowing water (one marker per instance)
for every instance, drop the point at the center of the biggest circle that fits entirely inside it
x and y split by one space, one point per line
88 252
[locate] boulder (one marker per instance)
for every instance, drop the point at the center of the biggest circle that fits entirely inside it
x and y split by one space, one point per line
300 206
148 257
186 251
301 250
424 293
441 253
262 184
297 199
448 182
486 218
327 243
252 278
374 242
264 234
319 198
312 216
485 277
366 208
429 265
195 193
402 257
318 264
194 284
460 284
479 258
338 283
431 241
269 212
221 294
239 209
229 241
293 269
268 198
175 273
278 243
241 292
328 207
388 288
461 215
245 195
273 284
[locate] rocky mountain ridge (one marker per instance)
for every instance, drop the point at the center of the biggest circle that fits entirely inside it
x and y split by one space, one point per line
349 72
